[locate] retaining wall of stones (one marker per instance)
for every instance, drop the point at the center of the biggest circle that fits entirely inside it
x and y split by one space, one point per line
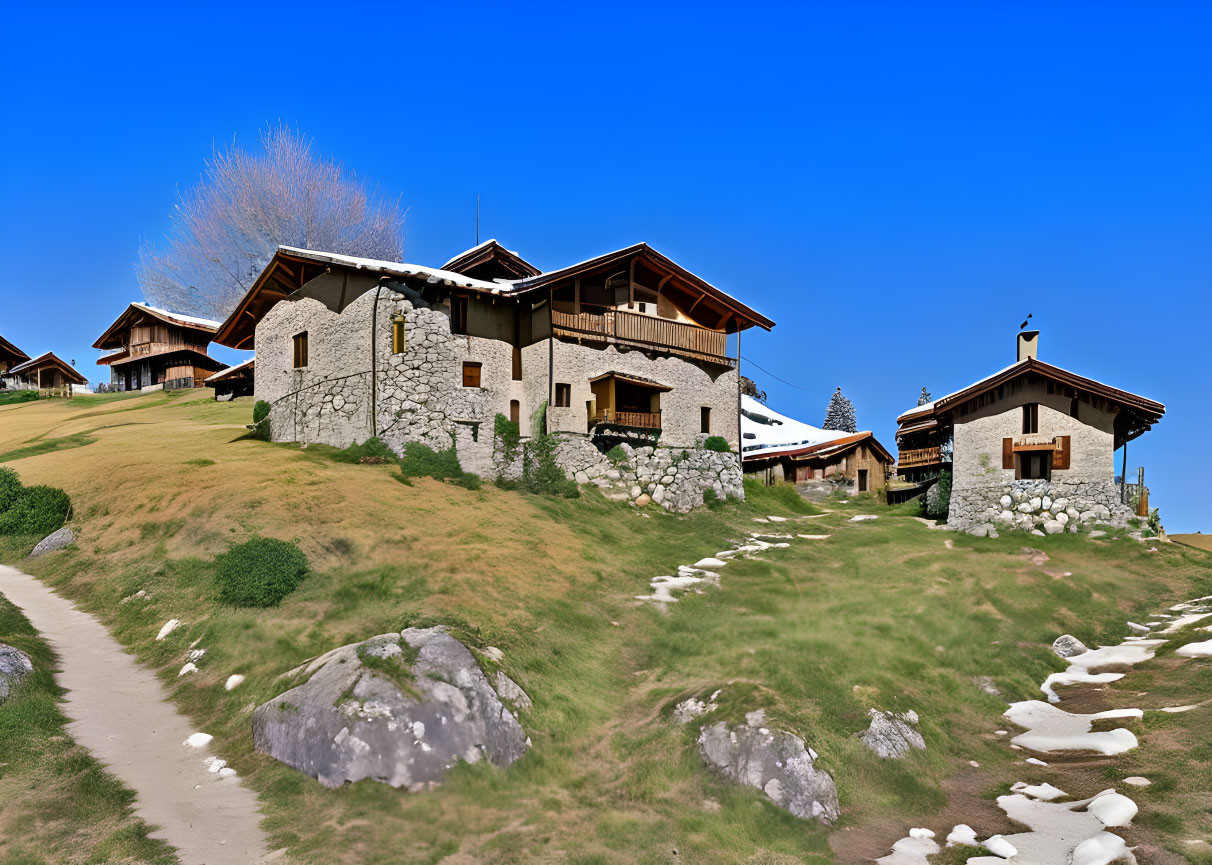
1043 506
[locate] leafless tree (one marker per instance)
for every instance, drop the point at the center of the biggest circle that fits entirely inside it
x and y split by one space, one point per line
224 230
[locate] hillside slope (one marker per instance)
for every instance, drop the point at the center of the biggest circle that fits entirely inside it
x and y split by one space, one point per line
882 613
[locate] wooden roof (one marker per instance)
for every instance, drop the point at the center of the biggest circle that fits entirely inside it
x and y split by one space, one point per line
240 370
184 354
115 334
10 351
491 261
828 450
1137 413
698 298
50 359
632 379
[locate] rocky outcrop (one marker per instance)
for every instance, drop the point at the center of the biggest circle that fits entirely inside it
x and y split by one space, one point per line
398 708
56 540
1047 506
775 762
15 665
892 736
1067 645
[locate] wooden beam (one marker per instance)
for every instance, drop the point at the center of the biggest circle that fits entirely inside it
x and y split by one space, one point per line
576 296
661 284
631 286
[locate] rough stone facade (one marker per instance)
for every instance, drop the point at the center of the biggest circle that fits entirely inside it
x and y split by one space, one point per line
344 395
986 497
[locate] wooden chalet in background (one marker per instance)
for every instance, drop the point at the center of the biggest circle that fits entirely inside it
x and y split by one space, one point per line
153 348
235 381
47 373
10 356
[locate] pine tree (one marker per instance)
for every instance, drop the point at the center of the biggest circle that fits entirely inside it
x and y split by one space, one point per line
840 414
924 397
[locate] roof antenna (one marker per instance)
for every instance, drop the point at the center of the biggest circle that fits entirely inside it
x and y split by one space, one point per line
477 219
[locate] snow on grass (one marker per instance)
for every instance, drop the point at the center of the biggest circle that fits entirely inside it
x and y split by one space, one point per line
198 740
1195 650
1050 729
1128 653
169 626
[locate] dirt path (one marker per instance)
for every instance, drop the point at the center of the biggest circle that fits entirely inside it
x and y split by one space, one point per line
120 713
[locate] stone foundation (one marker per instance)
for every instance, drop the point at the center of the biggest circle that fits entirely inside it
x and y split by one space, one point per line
1037 505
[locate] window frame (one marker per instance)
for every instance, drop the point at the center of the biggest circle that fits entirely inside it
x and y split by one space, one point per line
705 419
562 397
399 340
475 367
300 350
1030 418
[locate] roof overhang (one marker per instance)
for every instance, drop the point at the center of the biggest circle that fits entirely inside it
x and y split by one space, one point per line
491 255
113 336
632 379
197 358
240 370
49 359
825 450
7 348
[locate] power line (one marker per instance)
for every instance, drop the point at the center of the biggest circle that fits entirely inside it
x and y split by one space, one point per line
772 375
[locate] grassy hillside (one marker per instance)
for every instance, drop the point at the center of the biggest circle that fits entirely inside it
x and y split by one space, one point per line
884 613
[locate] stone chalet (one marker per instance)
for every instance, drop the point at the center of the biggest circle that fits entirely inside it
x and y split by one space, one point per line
1034 446
628 348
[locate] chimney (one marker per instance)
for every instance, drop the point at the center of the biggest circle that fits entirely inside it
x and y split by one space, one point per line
1028 344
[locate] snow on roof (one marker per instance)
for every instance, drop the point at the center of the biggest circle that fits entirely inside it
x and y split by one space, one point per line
231 369
472 249
774 433
188 319
927 407
432 274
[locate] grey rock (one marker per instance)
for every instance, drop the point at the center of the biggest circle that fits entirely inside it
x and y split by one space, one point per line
15 665
986 684
775 762
348 721
892 736
56 540
1066 646
510 691
1052 527
1098 533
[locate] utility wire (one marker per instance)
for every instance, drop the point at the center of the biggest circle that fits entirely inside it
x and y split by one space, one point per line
772 375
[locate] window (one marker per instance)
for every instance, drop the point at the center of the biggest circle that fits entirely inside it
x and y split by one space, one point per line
458 315
300 350
471 374
705 419
517 363
1034 465
643 307
1074 405
563 395
1030 418
397 336
515 410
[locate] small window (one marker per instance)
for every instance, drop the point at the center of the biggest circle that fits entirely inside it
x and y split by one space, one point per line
471 374
705 419
397 336
515 410
517 363
1034 465
1030 418
1074 407
643 307
563 395
300 341
458 315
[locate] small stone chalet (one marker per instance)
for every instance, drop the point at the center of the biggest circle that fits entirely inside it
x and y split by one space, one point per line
628 349
152 349
778 448
1033 446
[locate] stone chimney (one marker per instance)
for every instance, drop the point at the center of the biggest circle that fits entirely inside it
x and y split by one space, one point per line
1028 344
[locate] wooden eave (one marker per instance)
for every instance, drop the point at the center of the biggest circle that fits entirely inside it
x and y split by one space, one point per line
513 264
830 449
284 275
240 370
632 379
672 279
198 358
7 348
115 334
50 359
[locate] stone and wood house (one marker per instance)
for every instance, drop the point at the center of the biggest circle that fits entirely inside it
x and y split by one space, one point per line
628 348
47 373
151 349
1033 446
778 448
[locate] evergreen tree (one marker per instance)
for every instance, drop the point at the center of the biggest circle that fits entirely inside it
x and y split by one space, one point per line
840 414
924 397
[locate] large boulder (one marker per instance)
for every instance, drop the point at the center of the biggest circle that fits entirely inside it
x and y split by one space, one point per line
1067 646
775 762
56 540
15 665
891 736
398 708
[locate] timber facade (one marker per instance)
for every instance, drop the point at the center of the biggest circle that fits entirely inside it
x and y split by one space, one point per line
152 349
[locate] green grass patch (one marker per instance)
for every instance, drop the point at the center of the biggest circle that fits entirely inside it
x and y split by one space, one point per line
259 572
421 461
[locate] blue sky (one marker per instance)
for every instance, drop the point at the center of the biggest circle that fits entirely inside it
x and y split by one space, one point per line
896 184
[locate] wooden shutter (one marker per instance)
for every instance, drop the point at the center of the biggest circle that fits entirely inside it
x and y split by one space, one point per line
1060 456
1007 453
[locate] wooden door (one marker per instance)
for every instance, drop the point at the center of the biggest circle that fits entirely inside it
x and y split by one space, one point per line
862 480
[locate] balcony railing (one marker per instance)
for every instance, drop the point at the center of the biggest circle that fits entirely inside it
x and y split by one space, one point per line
637 419
612 325
139 349
919 457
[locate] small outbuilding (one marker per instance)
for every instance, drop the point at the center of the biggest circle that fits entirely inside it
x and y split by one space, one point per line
10 356
235 381
47 373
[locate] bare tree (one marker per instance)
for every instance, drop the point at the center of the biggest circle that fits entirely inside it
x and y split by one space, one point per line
224 230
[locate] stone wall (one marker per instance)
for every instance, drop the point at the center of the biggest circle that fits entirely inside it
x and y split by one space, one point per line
420 397
985 496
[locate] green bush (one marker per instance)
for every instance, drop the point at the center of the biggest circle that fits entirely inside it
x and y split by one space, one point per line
938 497
259 572
719 444
260 411
509 434
371 452
261 428
616 455
18 396
35 511
421 461
541 474
10 488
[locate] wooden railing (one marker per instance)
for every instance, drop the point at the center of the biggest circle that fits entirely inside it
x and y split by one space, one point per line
919 457
639 419
139 349
645 330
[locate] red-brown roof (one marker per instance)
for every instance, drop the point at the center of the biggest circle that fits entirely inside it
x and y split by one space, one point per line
114 335
50 359
831 448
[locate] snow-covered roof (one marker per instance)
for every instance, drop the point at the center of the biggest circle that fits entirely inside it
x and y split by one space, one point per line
187 319
478 246
925 408
397 268
229 370
775 433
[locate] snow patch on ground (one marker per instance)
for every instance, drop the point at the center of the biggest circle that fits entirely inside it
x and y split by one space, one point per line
169 626
1195 650
1050 729
198 740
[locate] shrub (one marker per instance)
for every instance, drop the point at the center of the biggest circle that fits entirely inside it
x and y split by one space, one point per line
260 411
261 428
616 455
10 488
35 511
371 452
938 497
719 444
259 572
421 461
508 434
541 474
18 396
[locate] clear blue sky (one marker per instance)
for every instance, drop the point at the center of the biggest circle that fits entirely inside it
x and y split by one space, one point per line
896 184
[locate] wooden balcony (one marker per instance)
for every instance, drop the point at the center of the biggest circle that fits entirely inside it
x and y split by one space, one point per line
635 419
140 349
919 457
629 328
